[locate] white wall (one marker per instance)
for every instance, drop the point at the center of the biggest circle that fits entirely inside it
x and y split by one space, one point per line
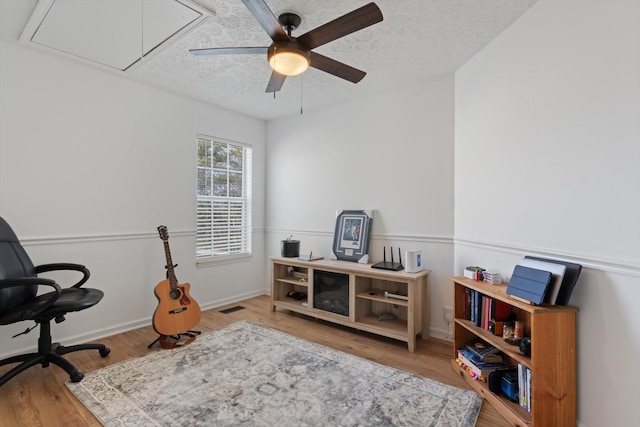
90 164
547 162
391 152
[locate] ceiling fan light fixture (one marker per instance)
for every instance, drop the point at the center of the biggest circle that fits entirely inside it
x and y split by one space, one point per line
288 58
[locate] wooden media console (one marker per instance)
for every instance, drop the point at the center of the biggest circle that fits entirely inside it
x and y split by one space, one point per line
388 303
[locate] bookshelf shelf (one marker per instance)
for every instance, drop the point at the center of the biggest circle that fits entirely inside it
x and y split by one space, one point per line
513 351
552 362
510 410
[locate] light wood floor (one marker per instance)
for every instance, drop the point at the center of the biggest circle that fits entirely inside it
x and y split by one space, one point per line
38 397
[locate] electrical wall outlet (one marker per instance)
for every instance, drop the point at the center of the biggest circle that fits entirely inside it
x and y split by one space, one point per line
448 314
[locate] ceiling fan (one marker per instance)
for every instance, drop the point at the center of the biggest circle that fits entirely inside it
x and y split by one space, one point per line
290 56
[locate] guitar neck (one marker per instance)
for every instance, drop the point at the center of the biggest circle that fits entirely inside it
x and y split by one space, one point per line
171 274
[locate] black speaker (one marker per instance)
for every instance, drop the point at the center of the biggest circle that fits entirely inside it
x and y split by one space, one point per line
525 346
494 379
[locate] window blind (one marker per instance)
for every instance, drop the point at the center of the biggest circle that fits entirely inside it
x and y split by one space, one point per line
223 214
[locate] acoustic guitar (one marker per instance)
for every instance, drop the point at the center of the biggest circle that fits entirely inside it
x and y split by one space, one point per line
177 311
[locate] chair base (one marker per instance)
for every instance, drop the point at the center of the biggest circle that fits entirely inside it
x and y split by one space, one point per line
49 353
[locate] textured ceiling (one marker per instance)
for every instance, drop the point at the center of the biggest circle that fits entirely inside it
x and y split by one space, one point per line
417 39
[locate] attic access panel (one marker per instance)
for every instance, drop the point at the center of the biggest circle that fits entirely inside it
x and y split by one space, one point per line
115 33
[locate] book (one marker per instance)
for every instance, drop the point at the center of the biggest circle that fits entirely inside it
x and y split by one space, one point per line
500 310
488 361
524 387
473 273
481 349
479 370
521 396
476 307
473 370
469 370
467 303
528 388
487 313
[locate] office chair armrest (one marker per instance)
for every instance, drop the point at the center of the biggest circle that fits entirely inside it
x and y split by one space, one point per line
66 266
31 281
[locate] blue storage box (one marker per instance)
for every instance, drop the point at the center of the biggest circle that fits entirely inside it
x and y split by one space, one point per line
509 385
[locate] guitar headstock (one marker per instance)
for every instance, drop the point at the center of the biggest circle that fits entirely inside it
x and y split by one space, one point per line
164 234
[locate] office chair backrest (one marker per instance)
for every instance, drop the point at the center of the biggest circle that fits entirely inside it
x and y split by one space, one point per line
14 263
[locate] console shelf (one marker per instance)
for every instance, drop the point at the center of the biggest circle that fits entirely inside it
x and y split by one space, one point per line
368 308
552 362
378 295
293 305
296 282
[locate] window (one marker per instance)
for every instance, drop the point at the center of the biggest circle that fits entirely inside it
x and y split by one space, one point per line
223 217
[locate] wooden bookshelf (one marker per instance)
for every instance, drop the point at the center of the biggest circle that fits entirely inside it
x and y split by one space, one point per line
552 361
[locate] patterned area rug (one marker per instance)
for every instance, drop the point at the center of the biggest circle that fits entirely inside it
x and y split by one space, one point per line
246 374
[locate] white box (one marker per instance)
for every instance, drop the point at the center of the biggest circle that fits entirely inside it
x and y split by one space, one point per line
469 274
413 261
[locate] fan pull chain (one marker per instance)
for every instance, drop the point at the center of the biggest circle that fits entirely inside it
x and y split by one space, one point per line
275 60
301 94
142 31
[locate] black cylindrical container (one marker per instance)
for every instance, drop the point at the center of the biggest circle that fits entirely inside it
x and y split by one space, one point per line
290 248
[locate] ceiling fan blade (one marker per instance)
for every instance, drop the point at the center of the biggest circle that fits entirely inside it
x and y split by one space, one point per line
336 68
350 23
266 19
229 51
275 82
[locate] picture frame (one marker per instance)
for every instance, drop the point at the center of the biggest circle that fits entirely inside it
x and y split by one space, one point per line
351 236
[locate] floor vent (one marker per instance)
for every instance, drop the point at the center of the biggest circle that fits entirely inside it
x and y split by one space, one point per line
232 309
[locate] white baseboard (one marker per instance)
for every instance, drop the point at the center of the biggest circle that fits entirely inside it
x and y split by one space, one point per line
82 338
441 334
236 298
96 335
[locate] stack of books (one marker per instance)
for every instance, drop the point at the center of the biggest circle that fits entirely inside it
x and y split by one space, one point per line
474 273
479 359
483 351
491 277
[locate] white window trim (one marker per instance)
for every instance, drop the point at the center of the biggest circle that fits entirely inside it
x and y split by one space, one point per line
247 170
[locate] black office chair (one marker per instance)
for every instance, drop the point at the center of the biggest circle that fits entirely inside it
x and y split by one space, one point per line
20 300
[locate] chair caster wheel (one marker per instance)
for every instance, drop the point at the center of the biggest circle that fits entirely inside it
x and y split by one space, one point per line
77 377
105 352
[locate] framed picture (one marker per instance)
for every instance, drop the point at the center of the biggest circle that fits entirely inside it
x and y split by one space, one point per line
351 236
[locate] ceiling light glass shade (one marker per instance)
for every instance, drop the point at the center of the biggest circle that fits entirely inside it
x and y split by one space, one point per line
288 59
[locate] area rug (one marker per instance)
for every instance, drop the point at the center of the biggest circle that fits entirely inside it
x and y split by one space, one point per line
247 374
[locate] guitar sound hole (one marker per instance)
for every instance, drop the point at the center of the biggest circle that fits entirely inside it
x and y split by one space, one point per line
174 294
